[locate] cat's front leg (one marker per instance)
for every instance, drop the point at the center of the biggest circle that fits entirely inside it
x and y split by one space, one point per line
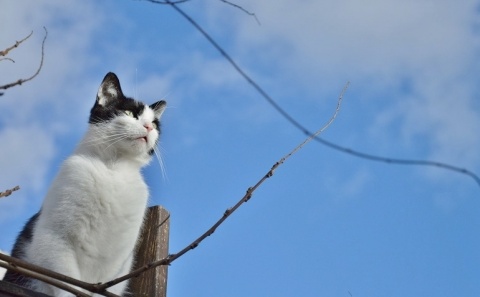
63 262
121 288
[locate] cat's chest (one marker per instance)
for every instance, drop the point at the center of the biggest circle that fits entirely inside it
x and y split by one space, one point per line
120 183
118 177
96 204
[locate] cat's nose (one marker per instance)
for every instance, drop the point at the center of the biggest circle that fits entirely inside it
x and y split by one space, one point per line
149 127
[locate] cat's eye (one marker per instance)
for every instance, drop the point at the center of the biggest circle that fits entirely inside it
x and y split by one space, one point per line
128 113
154 126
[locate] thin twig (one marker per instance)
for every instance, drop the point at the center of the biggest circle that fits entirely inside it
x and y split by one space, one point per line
43 278
7 59
388 160
48 276
242 9
21 81
170 258
302 128
9 191
17 43
166 2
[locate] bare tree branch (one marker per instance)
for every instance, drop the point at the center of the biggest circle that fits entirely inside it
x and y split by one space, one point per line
9 191
396 161
40 273
302 128
49 276
242 9
168 260
17 43
44 278
21 81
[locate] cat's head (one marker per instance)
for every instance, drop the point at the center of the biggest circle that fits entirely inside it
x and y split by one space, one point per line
123 126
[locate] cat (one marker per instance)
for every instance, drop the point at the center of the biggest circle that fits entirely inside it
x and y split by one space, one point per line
90 220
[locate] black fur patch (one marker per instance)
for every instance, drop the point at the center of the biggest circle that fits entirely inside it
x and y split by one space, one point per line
116 107
23 240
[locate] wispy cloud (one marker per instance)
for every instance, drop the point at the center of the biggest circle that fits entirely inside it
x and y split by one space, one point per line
27 152
36 113
412 58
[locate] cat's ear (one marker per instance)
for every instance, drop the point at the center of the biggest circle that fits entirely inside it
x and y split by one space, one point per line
109 89
158 108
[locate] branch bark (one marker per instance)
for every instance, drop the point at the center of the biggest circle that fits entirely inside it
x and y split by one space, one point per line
17 43
54 278
21 81
242 9
9 191
44 278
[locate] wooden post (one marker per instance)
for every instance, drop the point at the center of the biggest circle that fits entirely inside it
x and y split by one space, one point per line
152 246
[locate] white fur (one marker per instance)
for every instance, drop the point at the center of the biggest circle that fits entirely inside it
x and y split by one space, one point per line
93 211
106 91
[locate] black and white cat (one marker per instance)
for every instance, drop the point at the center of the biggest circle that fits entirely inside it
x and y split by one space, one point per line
90 219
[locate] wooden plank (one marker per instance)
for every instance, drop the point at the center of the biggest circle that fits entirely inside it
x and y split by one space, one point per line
152 246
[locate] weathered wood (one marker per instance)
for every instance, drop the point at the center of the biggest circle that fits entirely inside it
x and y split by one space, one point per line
152 246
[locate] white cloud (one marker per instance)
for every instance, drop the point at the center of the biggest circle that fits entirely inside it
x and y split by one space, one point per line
63 60
149 89
26 155
350 187
36 113
447 115
375 38
417 60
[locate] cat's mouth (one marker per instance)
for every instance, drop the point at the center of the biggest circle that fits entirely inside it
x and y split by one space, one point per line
143 138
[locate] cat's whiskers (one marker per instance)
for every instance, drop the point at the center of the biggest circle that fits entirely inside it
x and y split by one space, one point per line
120 138
161 163
101 138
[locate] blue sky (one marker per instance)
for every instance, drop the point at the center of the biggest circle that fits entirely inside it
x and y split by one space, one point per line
327 223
